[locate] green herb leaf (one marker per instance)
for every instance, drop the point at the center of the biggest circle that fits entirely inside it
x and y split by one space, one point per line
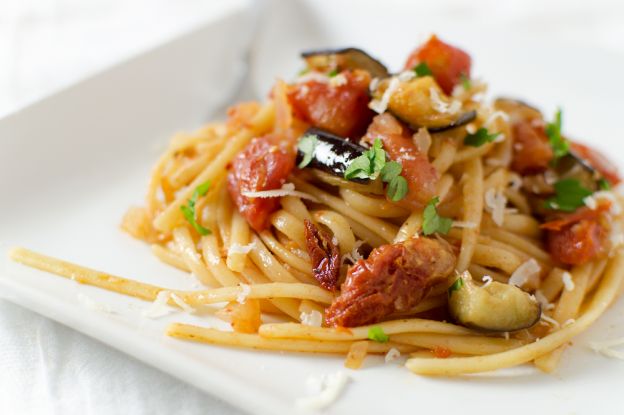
465 81
397 188
422 69
333 73
359 168
569 195
390 171
432 222
479 138
459 282
559 145
307 145
377 334
189 210
377 156
603 184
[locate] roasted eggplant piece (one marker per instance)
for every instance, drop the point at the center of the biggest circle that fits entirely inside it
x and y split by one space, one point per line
411 102
332 153
347 58
493 306
517 109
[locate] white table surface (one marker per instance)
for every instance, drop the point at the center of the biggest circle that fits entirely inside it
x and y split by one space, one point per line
46 368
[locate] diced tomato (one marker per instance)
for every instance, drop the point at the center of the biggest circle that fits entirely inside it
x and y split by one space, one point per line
441 352
264 164
397 141
532 152
598 161
579 237
341 108
447 63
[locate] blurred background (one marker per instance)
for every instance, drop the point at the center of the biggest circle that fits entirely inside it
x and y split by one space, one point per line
46 45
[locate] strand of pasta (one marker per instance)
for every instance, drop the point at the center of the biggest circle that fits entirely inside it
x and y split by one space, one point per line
186 173
603 297
261 122
295 207
527 246
169 257
445 157
374 206
240 237
469 345
287 257
186 247
473 209
290 226
254 341
340 228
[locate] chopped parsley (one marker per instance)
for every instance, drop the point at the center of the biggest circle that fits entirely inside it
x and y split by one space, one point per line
569 195
465 81
333 73
307 145
373 164
422 69
189 209
397 185
559 145
459 282
603 184
479 138
432 222
377 334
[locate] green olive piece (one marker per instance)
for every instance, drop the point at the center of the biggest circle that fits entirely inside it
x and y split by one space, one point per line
493 306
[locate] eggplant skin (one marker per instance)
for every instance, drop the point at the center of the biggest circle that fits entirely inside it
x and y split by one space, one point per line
348 58
463 119
333 154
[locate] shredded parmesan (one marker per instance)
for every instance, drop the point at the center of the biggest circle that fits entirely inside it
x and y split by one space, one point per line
380 106
616 209
392 354
494 115
329 386
159 307
354 255
312 318
566 278
550 320
529 270
541 298
441 106
244 292
515 181
338 80
241 249
91 304
406 76
605 348
487 280
334 240
288 189
181 303
496 201
569 322
313 76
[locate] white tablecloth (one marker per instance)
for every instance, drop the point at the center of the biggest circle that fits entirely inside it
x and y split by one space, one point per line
47 368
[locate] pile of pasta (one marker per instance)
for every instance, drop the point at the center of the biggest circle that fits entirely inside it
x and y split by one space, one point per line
251 275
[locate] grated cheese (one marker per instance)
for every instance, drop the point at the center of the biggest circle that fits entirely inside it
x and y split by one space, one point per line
541 298
494 115
159 307
380 106
181 303
605 348
244 292
338 80
392 354
616 208
406 76
569 322
549 320
566 278
590 202
335 240
487 280
288 189
241 249
313 76
313 318
496 201
515 181
441 106
91 304
528 270
330 386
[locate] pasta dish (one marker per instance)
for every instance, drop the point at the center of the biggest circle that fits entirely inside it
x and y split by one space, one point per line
361 211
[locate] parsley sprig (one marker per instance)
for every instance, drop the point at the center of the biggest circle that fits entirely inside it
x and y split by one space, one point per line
479 138
559 145
459 282
422 69
373 164
569 195
465 81
307 145
432 222
189 209
377 334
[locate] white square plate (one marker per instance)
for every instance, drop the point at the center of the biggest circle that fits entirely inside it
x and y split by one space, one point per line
71 164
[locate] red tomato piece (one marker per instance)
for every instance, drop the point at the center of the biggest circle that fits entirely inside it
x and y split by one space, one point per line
598 161
578 243
397 141
447 63
341 108
532 152
264 164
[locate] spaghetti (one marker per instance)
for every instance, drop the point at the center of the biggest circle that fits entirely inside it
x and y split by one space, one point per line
366 231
